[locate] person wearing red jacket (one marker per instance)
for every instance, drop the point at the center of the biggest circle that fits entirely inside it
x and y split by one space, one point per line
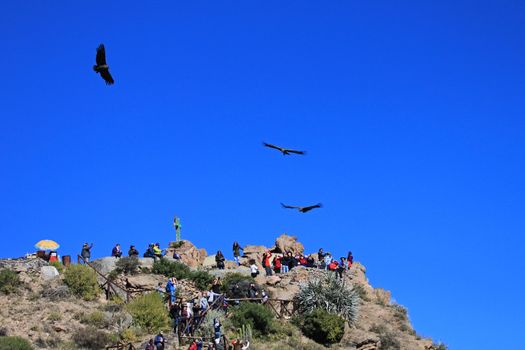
267 263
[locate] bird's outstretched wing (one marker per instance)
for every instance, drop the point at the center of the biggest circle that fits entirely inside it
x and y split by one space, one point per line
101 55
294 151
107 77
273 146
305 209
288 206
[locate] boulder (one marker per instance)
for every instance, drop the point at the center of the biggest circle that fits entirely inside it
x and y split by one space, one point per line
105 265
146 263
48 272
273 280
190 254
254 252
209 262
285 243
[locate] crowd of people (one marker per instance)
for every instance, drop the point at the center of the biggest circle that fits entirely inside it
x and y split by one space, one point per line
188 316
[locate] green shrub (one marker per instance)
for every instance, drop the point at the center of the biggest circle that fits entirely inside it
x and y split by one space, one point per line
90 338
149 312
14 343
400 312
330 294
202 279
96 319
128 265
54 316
257 316
234 278
58 265
322 327
82 281
439 346
9 281
171 269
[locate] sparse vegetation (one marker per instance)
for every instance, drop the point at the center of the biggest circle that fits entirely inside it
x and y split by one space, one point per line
82 281
206 329
257 316
14 343
56 293
149 312
439 346
331 294
54 316
96 319
387 338
90 338
323 327
360 290
9 281
127 265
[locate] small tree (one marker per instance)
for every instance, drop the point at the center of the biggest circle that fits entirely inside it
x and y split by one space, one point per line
90 338
202 279
322 327
171 269
82 281
149 312
331 294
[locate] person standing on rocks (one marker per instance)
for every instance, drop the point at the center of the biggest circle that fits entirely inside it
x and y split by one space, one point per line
86 252
219 259
349 260
267 263
237 252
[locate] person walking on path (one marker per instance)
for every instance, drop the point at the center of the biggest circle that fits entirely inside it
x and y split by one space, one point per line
86 252
237 252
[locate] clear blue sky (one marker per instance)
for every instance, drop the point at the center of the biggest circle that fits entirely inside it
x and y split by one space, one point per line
412 113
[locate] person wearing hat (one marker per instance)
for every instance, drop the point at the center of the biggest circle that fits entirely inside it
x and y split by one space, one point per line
86 252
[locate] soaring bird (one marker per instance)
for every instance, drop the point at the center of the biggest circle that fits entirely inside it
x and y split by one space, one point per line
285 151
101 67
303 209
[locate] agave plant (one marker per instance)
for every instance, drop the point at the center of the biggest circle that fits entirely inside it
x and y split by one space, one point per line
331 294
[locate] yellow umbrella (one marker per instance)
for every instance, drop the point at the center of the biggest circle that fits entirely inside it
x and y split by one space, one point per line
47 244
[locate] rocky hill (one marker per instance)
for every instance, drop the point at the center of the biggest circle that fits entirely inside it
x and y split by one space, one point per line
44 311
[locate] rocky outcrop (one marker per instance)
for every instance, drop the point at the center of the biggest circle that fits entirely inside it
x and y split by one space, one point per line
285 243
190 254
254 252
48 272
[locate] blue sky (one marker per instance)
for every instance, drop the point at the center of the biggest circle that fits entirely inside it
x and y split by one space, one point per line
411 113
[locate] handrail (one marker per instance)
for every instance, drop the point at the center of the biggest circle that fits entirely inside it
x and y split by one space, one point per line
110 283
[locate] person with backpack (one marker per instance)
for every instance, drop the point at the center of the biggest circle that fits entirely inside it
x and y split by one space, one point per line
267 263
237 252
